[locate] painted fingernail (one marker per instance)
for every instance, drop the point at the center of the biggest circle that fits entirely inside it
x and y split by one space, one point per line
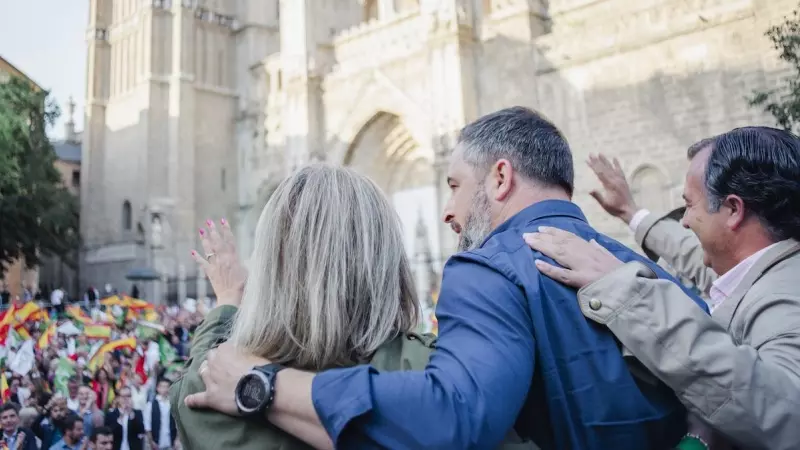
202 232
210 223
222 221
194 253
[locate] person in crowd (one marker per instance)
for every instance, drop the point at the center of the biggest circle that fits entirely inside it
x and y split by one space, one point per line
103 387
15 437
73 435
102 438
159 424
514 349
27 416
73 397
126 423
50 426
321 308
88 410
737 370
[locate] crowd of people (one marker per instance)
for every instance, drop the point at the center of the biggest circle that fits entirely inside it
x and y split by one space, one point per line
92 374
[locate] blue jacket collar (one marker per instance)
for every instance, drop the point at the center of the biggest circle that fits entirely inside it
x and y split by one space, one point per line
538 211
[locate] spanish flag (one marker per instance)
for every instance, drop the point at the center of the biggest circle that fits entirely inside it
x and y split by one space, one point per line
97 359
22 332
97 331
5 322
48 336
42 316
114 300
26 312
5 393
77 313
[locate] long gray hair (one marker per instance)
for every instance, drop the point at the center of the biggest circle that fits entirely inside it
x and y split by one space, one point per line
329 280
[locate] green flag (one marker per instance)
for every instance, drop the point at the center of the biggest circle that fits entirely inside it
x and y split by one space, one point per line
166 351
64 370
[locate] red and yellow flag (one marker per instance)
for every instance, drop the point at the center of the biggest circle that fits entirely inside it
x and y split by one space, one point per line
5 392
5 322
22 332
47 337
26 312
42 316
114 300
97 359
97 331
77 313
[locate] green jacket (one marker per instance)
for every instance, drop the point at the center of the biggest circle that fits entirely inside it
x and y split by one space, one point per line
199 430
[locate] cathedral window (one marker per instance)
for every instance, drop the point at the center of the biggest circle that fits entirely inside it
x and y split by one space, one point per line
127 218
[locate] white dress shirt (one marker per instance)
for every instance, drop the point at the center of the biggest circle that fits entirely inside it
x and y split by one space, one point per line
162 435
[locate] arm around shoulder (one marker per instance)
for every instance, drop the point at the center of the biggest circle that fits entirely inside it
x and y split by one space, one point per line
470 393
748 391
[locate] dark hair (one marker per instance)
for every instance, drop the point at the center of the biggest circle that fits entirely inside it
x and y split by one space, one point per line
100 431
699 146
533 145
8 406
762 166
162 379
70 421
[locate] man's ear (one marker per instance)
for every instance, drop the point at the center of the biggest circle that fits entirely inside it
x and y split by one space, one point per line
737 213
502 179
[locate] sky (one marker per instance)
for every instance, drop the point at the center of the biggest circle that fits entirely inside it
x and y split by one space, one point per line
45 39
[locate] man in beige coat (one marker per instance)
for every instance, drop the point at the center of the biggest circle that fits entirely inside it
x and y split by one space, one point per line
738 371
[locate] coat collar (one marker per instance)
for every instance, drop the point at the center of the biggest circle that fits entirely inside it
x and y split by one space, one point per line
781 251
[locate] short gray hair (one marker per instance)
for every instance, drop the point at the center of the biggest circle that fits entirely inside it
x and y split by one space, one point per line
329 280
533 145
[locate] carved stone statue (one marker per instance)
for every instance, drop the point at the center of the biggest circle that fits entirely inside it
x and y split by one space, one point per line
156 232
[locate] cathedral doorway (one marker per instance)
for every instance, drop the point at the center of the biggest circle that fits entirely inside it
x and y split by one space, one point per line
385 151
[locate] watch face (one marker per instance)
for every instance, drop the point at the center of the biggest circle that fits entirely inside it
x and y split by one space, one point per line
252 392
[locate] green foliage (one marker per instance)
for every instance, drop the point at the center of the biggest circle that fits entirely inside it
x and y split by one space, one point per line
38 216
783 102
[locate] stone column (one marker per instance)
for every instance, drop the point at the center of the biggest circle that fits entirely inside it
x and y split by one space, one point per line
181 284
201 285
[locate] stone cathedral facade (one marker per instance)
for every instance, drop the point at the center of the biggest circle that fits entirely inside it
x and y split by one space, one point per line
198 108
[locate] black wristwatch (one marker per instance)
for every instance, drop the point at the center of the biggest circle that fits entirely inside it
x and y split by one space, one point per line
256 390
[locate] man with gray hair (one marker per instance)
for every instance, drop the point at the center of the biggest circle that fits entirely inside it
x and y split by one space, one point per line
513 348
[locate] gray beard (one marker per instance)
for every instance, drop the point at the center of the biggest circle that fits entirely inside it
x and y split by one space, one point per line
478 224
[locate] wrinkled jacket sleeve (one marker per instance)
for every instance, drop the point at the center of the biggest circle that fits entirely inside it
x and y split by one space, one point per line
678 246
751 395
470 393
214 329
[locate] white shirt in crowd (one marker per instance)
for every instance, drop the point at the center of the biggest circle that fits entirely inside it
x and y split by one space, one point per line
56 296
123 420
163 433
73 404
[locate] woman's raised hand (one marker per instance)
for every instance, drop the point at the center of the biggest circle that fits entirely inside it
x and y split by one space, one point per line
221 263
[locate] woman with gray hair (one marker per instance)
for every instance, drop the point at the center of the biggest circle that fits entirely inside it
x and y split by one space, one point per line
329 285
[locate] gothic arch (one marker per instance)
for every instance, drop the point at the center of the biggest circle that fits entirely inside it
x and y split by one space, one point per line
650 188
375 96
385 150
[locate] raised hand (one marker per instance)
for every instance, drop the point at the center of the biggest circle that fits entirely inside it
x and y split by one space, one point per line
221 262
616 197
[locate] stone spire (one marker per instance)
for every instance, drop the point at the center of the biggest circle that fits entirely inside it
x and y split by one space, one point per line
69 125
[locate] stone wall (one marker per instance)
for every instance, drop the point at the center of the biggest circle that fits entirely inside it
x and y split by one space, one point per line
640 81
